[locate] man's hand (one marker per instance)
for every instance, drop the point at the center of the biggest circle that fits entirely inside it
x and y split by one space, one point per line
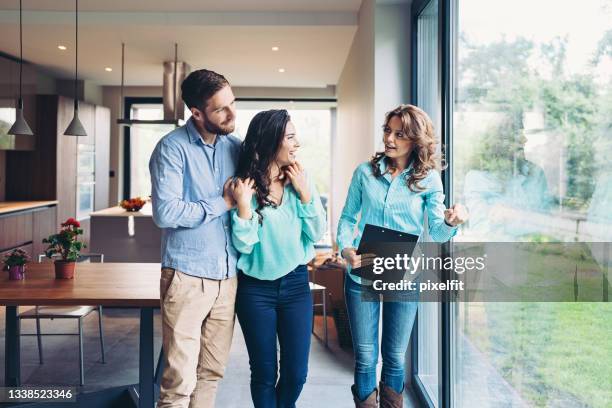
456 215
228 195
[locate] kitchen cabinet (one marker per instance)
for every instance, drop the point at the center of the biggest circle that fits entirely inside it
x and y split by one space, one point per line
102 143
43 225
25 224
70 169
16 230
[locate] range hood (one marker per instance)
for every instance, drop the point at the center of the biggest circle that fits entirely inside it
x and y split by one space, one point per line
174 74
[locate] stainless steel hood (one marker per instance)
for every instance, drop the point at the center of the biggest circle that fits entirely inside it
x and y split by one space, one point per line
174 74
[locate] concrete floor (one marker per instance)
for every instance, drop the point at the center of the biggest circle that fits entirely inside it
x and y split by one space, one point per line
328 385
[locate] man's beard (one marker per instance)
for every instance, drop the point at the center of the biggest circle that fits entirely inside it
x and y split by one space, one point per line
218 129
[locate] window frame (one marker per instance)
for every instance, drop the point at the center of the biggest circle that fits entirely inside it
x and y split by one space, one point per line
446 75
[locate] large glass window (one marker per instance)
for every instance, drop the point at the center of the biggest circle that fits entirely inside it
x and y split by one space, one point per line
142 140
532 141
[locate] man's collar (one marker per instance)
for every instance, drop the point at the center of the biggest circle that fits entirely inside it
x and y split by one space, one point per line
192 131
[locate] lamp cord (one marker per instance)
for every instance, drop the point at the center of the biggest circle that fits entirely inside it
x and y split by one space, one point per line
20 49
76 54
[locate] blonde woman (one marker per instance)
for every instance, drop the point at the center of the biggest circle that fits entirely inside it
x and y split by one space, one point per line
395 189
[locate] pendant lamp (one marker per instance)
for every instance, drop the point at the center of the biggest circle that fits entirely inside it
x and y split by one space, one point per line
75 128
20 127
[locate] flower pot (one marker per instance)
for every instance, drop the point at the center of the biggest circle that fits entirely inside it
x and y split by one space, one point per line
17 272
64 269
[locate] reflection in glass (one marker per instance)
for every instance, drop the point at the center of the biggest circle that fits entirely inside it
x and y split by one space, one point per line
532 123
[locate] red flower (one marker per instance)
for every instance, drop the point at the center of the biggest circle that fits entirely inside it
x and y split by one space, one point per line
71 222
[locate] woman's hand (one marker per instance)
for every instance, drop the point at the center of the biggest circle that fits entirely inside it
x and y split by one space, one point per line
456 215
355 260
297 176
243 191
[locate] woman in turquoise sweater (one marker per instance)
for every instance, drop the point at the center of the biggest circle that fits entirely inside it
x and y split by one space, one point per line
279 217
395 190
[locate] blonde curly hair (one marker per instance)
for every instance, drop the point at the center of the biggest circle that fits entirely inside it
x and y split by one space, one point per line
417 125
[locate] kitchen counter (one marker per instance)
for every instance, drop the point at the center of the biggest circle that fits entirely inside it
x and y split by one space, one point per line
117 211
7 207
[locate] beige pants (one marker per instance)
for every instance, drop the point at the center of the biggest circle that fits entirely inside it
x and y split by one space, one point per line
197 328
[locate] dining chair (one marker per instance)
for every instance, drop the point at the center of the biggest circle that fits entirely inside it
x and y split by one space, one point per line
66 312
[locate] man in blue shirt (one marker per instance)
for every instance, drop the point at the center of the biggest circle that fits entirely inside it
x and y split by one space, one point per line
191 198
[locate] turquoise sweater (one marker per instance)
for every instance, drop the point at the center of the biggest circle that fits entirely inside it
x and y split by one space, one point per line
284 240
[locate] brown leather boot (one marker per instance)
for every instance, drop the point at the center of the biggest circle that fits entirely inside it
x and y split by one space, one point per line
389 398
370 402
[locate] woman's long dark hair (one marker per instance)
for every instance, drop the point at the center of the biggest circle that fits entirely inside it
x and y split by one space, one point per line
258 151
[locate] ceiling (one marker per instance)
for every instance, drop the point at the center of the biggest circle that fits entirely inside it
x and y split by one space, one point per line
231 37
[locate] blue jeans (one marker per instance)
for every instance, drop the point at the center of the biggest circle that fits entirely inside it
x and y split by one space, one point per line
267 309
364 317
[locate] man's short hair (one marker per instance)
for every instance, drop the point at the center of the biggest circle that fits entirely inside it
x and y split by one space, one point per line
200 86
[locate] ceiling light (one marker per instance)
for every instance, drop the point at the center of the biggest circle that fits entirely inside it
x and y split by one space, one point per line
281 70
62 47
108 69
275 48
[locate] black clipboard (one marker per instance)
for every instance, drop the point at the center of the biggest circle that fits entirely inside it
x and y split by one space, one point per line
384 242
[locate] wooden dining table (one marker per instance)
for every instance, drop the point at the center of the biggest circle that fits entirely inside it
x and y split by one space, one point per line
105 284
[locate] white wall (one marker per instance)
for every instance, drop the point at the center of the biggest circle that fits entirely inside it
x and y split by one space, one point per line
392 61
375 79
355 90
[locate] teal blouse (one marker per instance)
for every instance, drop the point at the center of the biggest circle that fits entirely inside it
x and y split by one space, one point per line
388 202
284 240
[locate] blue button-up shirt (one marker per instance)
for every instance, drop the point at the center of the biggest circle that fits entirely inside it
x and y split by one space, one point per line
388 202
187 177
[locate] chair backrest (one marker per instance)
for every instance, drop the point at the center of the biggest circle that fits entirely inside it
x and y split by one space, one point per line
90 256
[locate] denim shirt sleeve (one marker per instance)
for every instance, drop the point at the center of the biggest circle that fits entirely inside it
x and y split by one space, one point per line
170 210
439 230
348 218
312 214
245 232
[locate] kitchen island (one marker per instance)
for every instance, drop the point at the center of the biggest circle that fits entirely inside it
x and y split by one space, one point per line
124 236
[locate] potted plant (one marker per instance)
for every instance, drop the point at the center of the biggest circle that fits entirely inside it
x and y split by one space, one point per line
65 244
15 263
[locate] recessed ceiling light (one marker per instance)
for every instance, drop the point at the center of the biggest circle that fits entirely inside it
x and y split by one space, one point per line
275 48
281 70
62 47
108 69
